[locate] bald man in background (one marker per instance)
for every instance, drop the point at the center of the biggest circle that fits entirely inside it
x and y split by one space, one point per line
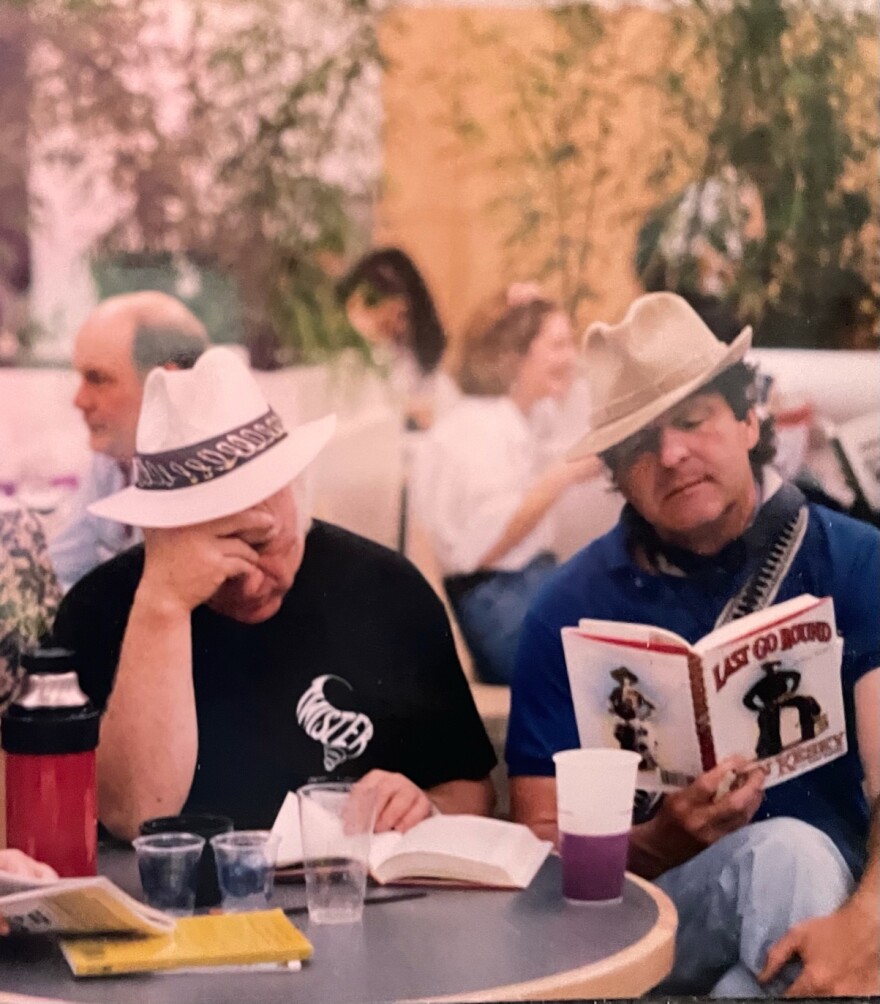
120 342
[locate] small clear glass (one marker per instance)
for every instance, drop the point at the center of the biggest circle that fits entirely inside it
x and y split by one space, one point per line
169 867
245 868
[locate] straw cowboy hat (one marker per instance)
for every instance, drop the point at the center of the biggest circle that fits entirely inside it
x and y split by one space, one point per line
658 354
209 445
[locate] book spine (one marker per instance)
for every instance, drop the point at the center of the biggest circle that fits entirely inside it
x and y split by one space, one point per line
701 711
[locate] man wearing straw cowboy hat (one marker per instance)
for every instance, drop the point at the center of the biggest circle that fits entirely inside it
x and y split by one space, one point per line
239 653
707 535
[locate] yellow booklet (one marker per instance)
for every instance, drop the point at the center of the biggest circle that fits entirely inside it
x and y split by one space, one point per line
229 939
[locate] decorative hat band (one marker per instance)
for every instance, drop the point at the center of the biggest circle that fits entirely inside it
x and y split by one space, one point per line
209 459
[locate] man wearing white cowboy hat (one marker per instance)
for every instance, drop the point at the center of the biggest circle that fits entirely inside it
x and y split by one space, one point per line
708 534
240 653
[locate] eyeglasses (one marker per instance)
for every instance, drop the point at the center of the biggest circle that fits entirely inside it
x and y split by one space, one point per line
649 439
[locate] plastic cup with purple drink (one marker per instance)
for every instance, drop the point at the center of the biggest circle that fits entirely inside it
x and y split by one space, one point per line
594 793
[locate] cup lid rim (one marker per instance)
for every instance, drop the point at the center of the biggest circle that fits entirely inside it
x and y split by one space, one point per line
183 838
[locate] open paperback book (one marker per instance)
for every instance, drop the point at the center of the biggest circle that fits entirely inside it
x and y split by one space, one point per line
262 940
463 849
75 906
766 686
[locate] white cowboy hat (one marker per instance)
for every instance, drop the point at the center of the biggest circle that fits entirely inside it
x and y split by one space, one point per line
658 354
208 445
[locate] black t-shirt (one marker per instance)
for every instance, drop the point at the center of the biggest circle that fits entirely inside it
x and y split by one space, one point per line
356 671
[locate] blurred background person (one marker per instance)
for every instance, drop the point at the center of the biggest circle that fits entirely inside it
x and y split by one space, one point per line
388 302
488 473
120 342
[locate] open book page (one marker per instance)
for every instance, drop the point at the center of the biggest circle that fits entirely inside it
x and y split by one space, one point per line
641 634
773 688
461 848
634 692
80 906
286 827
232 939
466 848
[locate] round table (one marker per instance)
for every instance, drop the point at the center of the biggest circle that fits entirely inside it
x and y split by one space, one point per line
453 944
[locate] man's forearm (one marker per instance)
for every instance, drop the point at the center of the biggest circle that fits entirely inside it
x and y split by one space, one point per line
867 894
149 737
654 848
528 515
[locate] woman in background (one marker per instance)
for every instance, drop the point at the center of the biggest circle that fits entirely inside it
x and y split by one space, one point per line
486 477
387 301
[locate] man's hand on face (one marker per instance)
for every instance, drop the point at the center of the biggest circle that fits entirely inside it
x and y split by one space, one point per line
185 566
400 803
700 815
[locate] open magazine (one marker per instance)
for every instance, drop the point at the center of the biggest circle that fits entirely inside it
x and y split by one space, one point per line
471 850
75 906
766 686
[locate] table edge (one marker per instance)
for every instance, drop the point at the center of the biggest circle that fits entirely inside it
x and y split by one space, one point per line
631 972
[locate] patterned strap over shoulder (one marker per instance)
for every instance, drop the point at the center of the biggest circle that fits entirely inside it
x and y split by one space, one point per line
783 521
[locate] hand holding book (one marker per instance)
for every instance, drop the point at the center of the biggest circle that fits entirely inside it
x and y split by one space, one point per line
691 818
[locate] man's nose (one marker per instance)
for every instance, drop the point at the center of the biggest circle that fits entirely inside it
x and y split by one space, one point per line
82 399
673 446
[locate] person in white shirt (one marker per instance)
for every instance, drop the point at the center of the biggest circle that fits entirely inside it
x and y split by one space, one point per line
486 477
119 343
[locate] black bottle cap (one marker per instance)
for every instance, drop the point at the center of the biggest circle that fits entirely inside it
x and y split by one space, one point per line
49 660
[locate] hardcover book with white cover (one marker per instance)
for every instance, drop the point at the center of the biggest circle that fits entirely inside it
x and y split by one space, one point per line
766 686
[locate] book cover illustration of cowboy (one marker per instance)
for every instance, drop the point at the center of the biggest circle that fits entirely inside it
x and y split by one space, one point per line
766 686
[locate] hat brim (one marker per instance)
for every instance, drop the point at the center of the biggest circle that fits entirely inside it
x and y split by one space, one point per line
236 491
606 436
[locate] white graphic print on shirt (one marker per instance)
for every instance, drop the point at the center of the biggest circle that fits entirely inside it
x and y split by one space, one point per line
344 734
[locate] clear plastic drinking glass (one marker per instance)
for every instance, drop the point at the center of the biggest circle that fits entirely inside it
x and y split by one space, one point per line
337 820
169 868
245 868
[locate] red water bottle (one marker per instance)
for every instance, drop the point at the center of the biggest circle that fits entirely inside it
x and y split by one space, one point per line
49 734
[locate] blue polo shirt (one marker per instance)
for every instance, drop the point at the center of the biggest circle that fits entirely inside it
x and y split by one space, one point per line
838 556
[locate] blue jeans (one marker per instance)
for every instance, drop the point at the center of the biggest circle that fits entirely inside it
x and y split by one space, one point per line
739 896
490 616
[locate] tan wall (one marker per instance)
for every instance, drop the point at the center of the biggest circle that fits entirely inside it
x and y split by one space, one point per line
438 188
